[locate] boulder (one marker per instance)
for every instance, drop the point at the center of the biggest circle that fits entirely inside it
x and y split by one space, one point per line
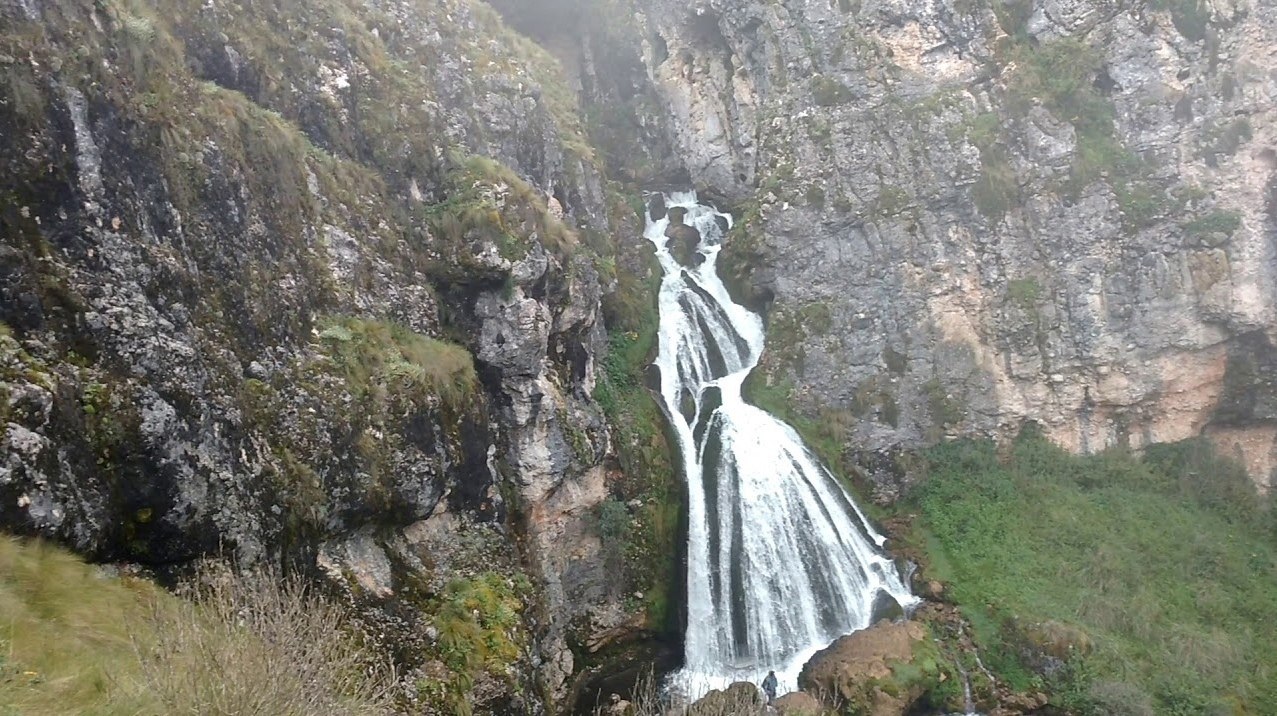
861 669
886 607
740 699
1047 645
798 703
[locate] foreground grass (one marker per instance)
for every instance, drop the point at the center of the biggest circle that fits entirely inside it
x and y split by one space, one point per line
66 635
1166 563
75 642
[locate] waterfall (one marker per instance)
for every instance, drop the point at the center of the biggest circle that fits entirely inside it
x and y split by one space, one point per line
781 561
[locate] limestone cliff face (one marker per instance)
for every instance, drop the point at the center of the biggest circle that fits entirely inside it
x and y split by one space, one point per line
970 214
319 282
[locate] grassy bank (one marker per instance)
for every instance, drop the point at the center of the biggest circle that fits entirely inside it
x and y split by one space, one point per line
73 641
1153 578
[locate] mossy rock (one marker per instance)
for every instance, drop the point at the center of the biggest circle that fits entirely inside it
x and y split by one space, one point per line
883 670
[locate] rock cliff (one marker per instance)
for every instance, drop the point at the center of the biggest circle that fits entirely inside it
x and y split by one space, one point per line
969 214
352 284
322 283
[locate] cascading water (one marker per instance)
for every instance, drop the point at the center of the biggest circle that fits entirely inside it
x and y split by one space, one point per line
781 561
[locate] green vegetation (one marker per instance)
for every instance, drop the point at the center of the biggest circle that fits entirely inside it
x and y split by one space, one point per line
488 201
789 329
1024 292
480 629
384 360
1151 577
649 540
997 190
945 410
828 92
74 641
614 531
1221 221
891 201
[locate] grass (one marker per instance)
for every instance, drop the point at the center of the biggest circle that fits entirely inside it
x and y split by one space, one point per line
60 652
384 359
74 641
1166 563
487 200
480 629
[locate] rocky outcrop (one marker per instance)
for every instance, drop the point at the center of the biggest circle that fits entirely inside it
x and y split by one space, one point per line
974 214
741 698
319 284
860 669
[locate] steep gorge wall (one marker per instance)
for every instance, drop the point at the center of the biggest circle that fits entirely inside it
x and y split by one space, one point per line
969 214
319 282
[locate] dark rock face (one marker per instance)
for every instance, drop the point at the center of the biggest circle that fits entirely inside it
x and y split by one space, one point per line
247 262
982 250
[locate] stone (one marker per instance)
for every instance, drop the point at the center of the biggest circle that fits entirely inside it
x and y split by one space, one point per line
885 607
993 351
739 699
857 666
798 703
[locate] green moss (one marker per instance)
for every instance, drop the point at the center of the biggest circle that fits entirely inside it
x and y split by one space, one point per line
1166 562
1025 292
829 92
1224 221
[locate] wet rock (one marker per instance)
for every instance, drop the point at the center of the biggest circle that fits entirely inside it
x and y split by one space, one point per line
885 607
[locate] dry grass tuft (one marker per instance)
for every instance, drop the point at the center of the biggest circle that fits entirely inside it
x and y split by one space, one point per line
261 644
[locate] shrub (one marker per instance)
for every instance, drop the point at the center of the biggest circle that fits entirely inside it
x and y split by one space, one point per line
828 92
1222 221
997 189
257 643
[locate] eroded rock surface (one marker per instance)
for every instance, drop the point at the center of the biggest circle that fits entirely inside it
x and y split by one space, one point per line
970 214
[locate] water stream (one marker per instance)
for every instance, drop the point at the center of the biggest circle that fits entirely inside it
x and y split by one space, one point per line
781 561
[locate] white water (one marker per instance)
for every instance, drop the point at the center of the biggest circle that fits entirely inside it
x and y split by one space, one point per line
781 561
